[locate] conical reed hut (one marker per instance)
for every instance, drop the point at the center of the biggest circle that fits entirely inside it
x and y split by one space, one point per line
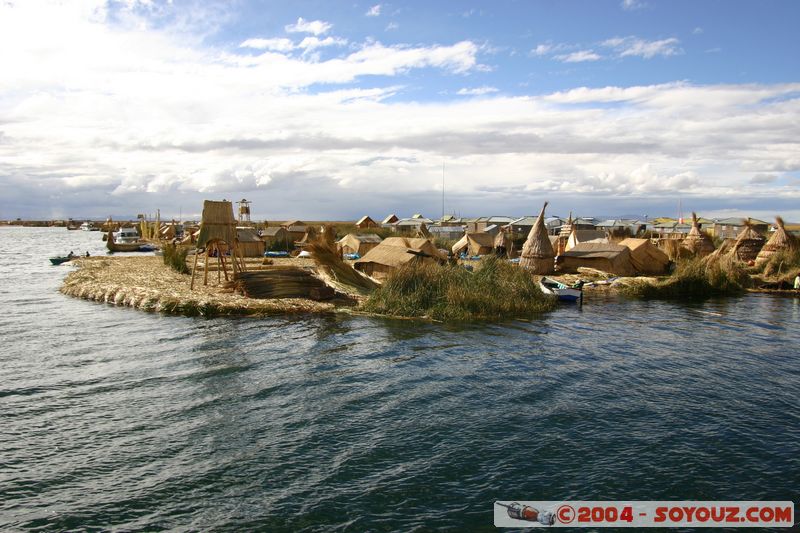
748 243
537 252
697 242
781 240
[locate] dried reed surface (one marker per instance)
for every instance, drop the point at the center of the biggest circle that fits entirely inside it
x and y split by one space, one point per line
497 290
146 283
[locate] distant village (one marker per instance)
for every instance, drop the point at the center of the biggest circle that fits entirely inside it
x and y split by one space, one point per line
378 246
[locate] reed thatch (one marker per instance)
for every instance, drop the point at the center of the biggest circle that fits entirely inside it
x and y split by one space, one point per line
697 242
748 243
645 257
781 240
217 224
334 270
537 252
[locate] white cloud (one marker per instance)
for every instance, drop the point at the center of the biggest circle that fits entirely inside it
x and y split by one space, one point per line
476 91
634 46
275 44
315 27
392 26
630 5
579 57
374 11
123 110
697 31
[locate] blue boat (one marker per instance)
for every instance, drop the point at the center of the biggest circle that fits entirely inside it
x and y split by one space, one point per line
563 292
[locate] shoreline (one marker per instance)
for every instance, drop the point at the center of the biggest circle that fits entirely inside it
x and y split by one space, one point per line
146 284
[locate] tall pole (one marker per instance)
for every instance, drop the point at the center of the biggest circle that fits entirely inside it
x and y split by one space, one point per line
442 189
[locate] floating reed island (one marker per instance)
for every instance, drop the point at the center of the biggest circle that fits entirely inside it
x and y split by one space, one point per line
216 271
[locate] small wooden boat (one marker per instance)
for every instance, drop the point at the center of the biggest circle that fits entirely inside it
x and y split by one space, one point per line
564 293
61 259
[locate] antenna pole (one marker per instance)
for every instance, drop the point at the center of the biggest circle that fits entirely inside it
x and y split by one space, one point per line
442 189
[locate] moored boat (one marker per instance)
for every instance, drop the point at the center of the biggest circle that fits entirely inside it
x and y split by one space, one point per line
563 292
61 259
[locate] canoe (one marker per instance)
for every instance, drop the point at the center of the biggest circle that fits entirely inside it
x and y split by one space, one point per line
60 259
563 292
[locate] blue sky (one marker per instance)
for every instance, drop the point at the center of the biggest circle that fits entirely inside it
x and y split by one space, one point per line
337 109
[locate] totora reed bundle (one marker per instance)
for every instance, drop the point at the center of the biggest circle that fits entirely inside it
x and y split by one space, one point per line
537 253
336 272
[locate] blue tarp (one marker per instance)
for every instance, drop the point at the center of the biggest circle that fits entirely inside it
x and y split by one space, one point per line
276 254
352 256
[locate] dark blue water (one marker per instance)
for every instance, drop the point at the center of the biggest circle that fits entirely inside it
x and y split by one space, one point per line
113 418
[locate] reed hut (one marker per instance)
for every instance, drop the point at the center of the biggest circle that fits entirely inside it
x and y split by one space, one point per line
612 258
537 252
780 241
581 236
563 236
360 244
697 242
394 252
748 243
217 236
646 258
250 243
277 237
474 243
502 243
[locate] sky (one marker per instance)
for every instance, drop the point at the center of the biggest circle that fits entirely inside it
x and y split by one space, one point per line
333 109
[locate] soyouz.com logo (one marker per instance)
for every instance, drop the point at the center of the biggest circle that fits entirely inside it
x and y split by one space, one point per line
643 514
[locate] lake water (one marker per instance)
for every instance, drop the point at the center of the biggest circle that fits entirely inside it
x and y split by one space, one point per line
114 418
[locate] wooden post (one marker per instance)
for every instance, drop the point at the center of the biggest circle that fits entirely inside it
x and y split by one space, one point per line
224 267
220 264
194 269
205 266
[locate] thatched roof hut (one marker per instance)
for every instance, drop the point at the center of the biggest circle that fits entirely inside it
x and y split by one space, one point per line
646 258
581 236
697 242
537 253
748 243
475 243
781 240
360 244
250 242
611 258
395 252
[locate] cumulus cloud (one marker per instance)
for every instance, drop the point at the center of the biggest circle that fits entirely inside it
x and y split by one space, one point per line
634 46
374 11
143 118
315 27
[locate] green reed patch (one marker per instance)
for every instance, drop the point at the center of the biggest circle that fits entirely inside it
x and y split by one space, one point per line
496 290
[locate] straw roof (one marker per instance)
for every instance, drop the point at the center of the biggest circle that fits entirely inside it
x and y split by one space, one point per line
355 243
537 253
780 240
697 242
477 243
645 257
217 223
748 243
611 258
